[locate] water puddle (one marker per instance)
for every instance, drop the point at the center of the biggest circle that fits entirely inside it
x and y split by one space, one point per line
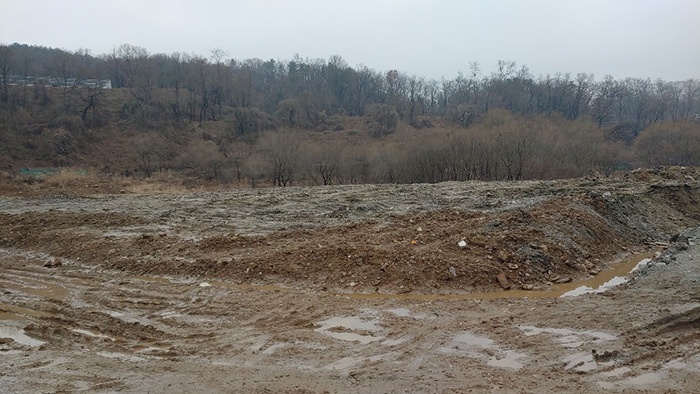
400 312
38 289
18 335
619 270
569 338
615 281
485 349
352 329
92 334
397 341
169 314
508 359
272 349
626 376
472 340
131 318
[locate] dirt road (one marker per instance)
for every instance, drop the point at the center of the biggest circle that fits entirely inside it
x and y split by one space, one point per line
355 289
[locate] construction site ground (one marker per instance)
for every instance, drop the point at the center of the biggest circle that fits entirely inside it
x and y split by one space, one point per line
459 287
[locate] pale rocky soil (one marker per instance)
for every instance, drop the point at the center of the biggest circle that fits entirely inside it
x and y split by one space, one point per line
354 289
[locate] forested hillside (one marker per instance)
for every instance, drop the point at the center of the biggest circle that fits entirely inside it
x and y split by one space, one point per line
313 121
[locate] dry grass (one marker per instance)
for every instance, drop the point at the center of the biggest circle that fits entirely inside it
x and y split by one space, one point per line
70 177
173 183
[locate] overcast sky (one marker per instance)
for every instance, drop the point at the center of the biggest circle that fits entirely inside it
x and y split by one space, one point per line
623 38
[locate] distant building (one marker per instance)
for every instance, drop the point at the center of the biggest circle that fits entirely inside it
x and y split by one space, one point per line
56 82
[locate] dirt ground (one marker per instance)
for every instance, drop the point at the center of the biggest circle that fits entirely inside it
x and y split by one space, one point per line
447 288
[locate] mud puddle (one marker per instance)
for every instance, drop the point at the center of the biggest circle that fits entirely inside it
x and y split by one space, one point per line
569 338
619 276
13 312
35 288
93 334
18 335
351 329
485 349
626 376
603 281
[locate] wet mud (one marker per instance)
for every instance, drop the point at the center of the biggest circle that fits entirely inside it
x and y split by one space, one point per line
321 290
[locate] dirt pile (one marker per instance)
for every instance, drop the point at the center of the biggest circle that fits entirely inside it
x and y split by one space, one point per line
372 238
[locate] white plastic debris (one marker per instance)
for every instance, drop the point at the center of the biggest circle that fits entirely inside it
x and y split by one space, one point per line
462 244
205 284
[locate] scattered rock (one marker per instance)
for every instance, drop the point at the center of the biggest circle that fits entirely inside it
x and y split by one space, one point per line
503 281
528 287
57 262
680 241
563 280
503 256
462 244
605 356
513 266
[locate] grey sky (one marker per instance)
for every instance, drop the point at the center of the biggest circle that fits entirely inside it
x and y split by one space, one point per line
624 38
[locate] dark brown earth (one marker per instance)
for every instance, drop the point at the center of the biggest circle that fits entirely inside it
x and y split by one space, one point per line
352 288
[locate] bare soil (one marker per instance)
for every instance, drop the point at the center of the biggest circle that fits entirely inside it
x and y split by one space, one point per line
353 288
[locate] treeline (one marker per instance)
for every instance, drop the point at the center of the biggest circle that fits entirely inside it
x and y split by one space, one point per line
308 121
300 92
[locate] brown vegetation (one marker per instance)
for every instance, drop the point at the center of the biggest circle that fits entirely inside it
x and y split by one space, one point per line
312 122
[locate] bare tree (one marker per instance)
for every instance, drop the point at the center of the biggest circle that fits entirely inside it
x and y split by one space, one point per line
150 150
281 152
384 119
322 161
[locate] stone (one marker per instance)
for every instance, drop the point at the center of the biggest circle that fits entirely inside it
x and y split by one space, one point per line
503 256
57 262
503 281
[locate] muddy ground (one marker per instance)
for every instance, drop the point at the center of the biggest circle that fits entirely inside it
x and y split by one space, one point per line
355 288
